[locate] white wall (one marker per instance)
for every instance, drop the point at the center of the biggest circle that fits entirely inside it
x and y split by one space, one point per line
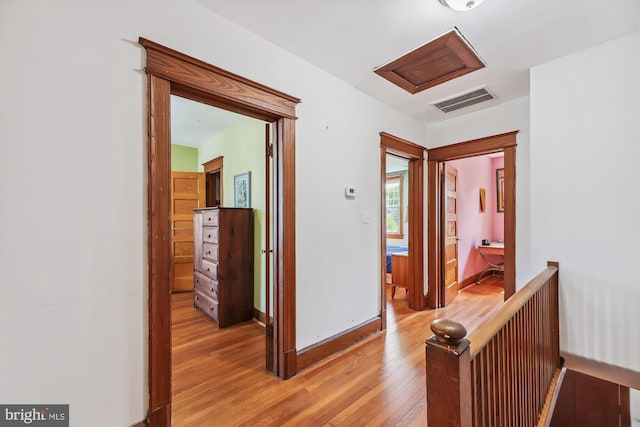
473 225
634 402
242 146
585 193
506 117
73 261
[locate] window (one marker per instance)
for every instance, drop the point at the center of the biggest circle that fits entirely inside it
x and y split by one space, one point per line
394 194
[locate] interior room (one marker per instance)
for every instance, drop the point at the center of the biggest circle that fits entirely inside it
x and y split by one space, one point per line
397 224
86 321
480 218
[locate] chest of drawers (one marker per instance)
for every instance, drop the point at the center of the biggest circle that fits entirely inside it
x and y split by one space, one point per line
223 264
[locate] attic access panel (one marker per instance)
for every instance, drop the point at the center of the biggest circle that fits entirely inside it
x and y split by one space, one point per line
436 62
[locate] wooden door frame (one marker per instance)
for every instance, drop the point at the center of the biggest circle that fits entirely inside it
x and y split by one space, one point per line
506 143
171 72
210 167
414 153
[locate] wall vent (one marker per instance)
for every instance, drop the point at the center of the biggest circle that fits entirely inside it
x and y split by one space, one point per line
468 99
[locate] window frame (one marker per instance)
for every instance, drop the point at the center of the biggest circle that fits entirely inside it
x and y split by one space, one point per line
400 178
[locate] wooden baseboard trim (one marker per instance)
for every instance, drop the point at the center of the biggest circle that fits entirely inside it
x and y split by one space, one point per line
160 417
471 280
604 371
316 352
142 423
260 316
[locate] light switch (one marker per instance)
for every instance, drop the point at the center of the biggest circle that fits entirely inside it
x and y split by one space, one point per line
366 217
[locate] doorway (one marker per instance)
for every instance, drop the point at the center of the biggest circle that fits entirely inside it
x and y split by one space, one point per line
214 185
170 72
212 351
474 222
413 270
505 143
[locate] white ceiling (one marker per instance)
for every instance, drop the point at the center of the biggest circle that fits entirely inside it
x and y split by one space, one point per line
395 164
193 123
349 38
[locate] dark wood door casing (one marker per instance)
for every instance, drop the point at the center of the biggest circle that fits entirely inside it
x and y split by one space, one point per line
171 72
414 153
214 178
436 157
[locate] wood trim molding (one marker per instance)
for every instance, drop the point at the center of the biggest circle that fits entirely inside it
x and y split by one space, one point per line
179 68
505 142
612 373
325 348
213 164
401 147
285 251
259 316
509 221
474 147
160 417
142 423
468 281
415 155
159 158
400 178
170 72
552 397
416 234
383 240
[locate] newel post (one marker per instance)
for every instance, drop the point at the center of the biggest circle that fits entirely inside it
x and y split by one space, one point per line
448 375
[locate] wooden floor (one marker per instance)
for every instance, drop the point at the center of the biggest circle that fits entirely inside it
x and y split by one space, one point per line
219 377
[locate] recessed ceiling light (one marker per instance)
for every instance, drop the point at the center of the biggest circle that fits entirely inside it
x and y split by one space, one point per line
461 5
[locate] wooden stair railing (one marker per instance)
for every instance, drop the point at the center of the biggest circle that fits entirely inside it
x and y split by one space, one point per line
506 371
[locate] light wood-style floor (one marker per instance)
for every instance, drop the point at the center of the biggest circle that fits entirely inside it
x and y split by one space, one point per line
219 377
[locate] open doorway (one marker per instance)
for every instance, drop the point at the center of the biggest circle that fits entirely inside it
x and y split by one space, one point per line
441 238
220 324
474 229
397 224
171 72
403 211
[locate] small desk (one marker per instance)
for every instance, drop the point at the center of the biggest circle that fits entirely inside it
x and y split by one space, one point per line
493 248
399 272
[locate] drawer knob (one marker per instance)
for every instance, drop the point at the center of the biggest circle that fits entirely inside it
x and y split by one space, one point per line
197 297
211 289
208 252
209 218
209 235
210 308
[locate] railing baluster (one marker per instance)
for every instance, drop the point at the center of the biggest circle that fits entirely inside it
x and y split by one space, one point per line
498 375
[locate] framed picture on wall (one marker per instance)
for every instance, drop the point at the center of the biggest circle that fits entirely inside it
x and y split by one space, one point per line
242 190
500 188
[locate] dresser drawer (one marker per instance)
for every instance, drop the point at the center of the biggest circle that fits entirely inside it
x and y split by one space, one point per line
210 251
205 285
210 269
211 217
210 234
205 304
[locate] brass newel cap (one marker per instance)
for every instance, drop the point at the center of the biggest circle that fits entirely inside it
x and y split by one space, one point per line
448 332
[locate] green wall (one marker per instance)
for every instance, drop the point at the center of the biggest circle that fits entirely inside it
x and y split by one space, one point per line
184 159
242 147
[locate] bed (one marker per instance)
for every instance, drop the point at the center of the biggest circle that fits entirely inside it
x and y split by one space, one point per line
391 250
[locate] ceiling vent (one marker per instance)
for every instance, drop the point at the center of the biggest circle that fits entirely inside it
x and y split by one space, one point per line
468 99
